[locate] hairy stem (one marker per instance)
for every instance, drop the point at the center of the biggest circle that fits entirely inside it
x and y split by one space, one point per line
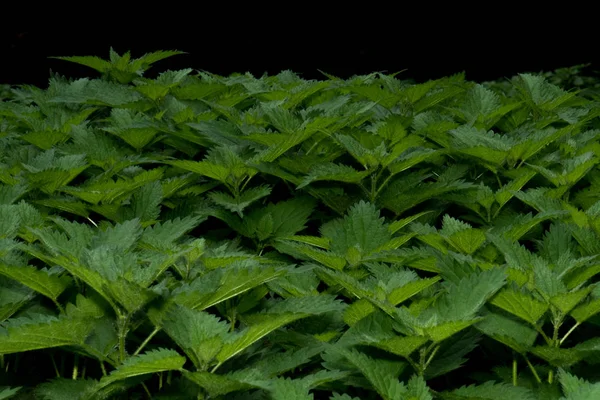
123 324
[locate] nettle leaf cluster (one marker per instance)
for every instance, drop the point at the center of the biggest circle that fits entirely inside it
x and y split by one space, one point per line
195 236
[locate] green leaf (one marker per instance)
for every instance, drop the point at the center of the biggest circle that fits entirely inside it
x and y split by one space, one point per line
490 391
369 158
65 204
259 329
576 388
283 144
451 354
278 363
148 363
381 376
443 331
216 385
47 282
325 258
467 241
402 293
161 236
121 237
309 304
479 102
362 228
282 388
278 220
97 92
556 356
131 295
67 389
264 227
520 304
42 332
333 172
565 302
585 311
198 333
204 168
135 128
94 62
403 346
312 240
411 158
337 396
232 282
7 392
401 223
13 296
464 298
238 203
508 331
539 93
358 310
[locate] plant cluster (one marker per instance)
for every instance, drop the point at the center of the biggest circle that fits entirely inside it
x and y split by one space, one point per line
195 236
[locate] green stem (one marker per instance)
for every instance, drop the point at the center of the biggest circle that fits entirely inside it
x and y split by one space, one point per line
514 370
537 377
557 322
215 368
123 330
59 306
373 188
55 367
499 182
75 365
103 368
145 342
568 333
431 357
99 356
550 376
383 185
233 317
146 390
546 338
413 364
245 183
364 189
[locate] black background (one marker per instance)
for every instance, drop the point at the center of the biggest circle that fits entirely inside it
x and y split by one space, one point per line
426 46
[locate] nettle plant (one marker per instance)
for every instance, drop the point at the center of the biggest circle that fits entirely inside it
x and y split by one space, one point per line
195 236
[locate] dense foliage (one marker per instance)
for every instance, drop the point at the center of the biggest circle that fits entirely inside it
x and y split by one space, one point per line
195 236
